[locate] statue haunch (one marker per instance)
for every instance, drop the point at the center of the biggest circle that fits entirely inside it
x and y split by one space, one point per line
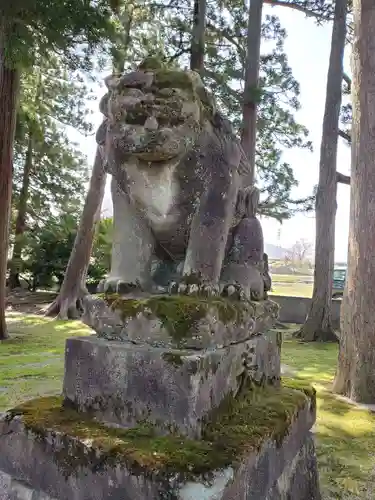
183 215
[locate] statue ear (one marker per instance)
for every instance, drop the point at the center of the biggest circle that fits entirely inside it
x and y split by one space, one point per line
251 201
240 205
103 104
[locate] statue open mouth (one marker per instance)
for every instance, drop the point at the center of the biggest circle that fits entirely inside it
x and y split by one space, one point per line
151 146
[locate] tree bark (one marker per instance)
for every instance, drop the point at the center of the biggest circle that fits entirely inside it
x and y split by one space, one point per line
355 375
318 325
198 36
67 303
16 263
251 91
9 85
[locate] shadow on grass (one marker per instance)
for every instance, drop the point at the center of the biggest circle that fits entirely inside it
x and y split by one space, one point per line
345 435
346 460
328 403
316 363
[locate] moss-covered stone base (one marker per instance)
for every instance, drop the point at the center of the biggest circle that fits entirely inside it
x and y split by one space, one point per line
255 446
240 426
178 321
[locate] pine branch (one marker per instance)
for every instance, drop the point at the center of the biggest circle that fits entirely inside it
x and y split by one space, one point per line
342 179
301 8
347 80
345 136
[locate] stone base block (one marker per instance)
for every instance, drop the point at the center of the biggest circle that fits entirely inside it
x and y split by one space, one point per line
178 322
258 447
123 383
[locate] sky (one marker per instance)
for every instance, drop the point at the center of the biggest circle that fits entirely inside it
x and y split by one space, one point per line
307 47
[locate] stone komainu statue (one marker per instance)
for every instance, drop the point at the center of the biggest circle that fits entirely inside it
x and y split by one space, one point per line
182 211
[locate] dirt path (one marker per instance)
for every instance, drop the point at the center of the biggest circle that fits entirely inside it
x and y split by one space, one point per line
27 302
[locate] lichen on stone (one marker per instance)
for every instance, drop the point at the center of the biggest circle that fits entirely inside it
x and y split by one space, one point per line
180 314
241 425
175 358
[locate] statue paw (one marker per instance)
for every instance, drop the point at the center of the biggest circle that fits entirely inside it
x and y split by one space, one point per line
257 296
200 290
234 291
119 286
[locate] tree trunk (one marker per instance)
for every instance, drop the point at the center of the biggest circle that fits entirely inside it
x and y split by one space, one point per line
123 38
16 263
197 40
251 91
66 305
318 325
355 375
9 85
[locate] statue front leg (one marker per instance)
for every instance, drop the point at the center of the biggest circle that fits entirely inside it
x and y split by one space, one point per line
209 232
132 247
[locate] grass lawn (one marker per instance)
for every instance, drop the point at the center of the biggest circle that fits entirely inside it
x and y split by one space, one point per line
289 284
31 361
31 364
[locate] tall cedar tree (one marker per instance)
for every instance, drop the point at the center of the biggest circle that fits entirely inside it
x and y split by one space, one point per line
318 325
198 36
9 82
355 375
251 91
25 29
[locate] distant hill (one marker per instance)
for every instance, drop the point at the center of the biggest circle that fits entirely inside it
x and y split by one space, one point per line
275 251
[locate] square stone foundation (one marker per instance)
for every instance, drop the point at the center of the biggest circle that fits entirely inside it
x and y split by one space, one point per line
258 447
122 383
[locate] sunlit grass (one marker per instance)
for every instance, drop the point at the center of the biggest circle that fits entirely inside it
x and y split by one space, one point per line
293 289
290 278
31 361
345 435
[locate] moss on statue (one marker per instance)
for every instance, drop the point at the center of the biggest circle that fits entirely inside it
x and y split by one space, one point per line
175 358
167 76
180 314
300 385
241 425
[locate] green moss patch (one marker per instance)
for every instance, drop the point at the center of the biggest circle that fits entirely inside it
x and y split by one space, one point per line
240 426
180 314
170 77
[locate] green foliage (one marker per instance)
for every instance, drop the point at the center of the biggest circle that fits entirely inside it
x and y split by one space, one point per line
51 98
100 261
346 114
72 28
59 174
48 249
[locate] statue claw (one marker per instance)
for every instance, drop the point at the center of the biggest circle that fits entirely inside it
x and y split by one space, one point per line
234 291
201 290
119 286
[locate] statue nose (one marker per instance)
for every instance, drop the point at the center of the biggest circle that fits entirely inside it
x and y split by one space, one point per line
151 123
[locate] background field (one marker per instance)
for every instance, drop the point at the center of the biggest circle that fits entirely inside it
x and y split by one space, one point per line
289 284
